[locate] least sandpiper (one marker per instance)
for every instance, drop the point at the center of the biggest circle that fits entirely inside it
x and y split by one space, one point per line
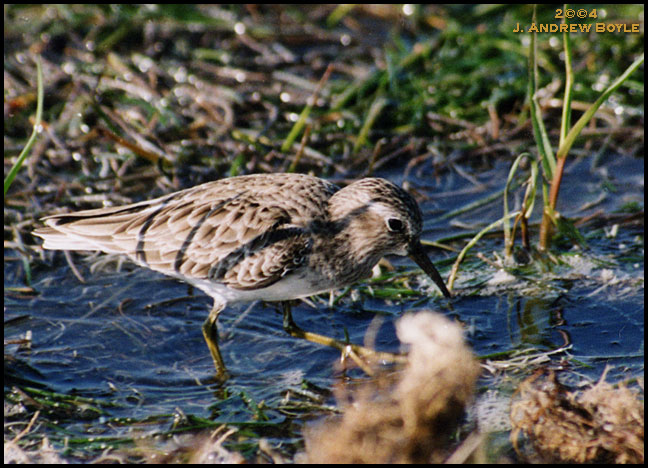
271 237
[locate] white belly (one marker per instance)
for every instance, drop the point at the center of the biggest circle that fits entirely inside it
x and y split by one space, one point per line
293 286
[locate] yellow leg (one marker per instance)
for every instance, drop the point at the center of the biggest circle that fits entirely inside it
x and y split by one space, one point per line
356 352
210 332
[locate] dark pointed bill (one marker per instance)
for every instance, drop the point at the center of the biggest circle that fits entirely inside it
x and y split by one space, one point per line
417 254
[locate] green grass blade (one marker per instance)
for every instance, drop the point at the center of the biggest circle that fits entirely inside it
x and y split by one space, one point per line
565 121
297 128
506 226
37 129
589 113
471 244
374 111
539 131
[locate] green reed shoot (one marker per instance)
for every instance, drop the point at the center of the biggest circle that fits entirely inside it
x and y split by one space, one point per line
553 166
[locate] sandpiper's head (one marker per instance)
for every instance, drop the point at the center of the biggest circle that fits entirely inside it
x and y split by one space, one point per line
380 218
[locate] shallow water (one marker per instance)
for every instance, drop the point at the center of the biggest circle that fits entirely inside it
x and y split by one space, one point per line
132 338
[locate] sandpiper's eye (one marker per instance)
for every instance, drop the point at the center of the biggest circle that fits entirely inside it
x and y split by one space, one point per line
395 225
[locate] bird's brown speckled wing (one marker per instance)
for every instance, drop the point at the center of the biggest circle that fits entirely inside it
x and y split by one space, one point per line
246 232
